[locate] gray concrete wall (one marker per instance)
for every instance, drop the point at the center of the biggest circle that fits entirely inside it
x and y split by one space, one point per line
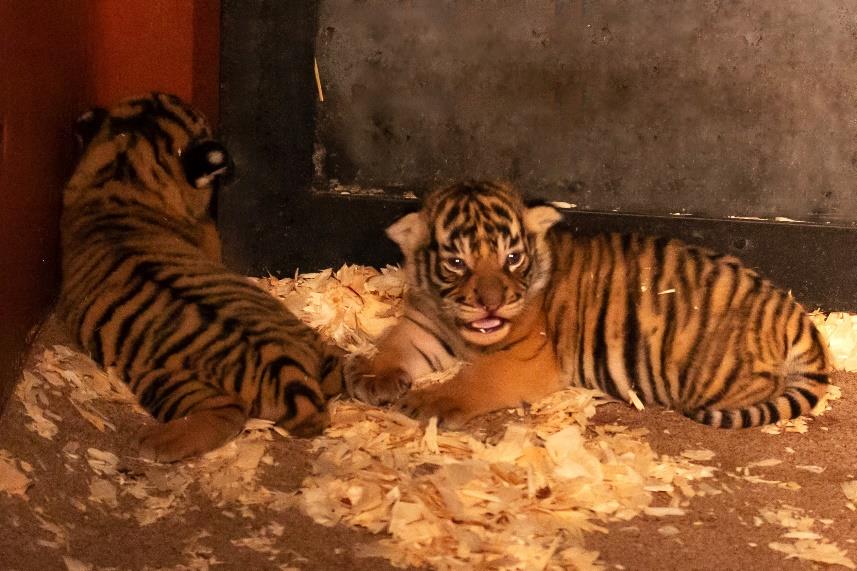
707 107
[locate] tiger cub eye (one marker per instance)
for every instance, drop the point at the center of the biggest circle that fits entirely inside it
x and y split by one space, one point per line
513 259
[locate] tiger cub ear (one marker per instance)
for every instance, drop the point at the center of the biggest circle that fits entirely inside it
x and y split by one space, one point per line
539 219
206 162
87 126
409 232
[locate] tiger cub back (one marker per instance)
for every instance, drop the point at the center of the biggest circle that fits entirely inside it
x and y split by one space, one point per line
682 327
143 289
533 307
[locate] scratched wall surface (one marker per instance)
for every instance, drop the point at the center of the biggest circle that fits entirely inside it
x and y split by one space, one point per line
707 107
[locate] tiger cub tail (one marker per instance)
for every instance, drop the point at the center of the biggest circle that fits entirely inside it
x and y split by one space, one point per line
803 382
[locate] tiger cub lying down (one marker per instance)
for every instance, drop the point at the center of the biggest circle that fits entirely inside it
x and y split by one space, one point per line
144 291
532 308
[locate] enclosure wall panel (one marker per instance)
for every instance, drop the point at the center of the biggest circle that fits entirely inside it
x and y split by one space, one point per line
56 60
713 109
165 45
43 88
728 124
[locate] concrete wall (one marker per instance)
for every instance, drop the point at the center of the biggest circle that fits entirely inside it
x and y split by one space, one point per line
707 107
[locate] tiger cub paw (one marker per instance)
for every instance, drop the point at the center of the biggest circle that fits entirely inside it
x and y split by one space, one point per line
307 426
425 403
192 435
376 387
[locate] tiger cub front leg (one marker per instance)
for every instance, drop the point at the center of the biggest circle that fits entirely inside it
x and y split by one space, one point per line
492 382
379 380
405 353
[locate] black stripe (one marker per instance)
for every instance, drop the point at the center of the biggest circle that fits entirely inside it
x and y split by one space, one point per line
173 409
746 418
794 404
764 414
96 350
600 355
816 337
237 373
451 215
581 314
650 374
773 413
626 240
176 347
817 377
669 318
501 212
165 328
727 383
147 397
272 369
295 389
169 387
685 288
701 338
802 324
328 365
810 396
428 361
214 360
725 419
757 319
632 329
98 276
122 336
90 271
133 290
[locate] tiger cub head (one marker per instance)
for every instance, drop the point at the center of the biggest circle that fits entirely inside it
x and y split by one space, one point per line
480 253
156 144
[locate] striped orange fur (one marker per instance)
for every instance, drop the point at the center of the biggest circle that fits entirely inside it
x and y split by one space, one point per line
144 290
531 307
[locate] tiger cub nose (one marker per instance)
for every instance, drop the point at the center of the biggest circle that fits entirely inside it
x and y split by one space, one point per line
489 293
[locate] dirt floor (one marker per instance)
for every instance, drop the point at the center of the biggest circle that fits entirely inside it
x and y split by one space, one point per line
80 508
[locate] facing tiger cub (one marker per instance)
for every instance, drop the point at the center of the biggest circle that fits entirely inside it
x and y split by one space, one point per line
144 291
532 308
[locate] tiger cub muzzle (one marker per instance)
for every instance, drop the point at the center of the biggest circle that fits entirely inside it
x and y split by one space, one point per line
490 304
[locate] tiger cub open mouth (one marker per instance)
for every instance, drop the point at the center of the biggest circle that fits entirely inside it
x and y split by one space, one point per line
486 324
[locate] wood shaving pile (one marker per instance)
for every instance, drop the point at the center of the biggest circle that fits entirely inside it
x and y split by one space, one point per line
453 501
840 329
228 474
13 475
447 500
808 544
351 306
850 490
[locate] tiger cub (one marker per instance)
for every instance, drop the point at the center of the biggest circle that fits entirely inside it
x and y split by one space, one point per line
143 289
532 308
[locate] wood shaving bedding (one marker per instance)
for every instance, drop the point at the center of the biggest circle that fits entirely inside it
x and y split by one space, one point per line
840 329
448 500
808 545
453 501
